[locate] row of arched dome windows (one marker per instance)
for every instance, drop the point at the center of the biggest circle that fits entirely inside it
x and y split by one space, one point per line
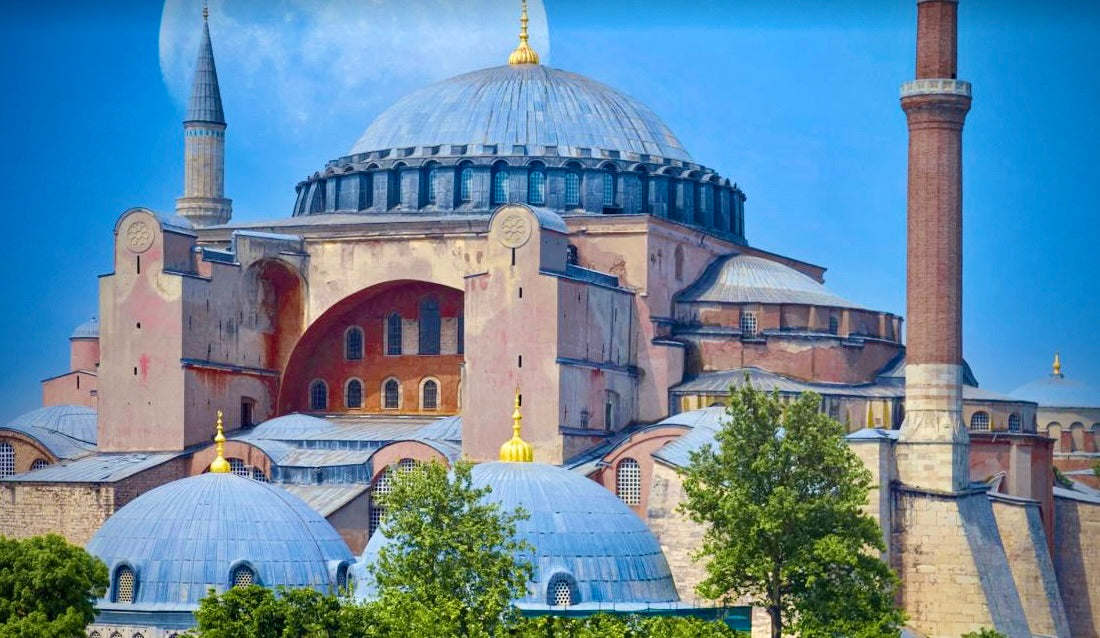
429 333
7 460
125 584
391 394
980 422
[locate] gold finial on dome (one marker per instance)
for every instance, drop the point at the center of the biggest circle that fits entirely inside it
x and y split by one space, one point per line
220 465
523 54
516 450
1057 365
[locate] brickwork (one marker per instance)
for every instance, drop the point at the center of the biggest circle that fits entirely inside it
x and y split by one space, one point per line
1077 563
27 450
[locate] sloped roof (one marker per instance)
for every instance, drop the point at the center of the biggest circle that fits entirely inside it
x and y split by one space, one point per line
67 431
206 98
749 279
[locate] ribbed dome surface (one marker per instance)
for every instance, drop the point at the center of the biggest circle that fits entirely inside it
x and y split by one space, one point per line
87 330
529 104
748 279
187 536
1056 391
66 430
578 529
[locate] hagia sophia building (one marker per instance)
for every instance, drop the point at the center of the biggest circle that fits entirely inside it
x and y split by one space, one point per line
250 388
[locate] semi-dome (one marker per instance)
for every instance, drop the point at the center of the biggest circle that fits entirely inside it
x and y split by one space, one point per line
1056 391
531 105
749 279
87 330
67 431
213 531
582 535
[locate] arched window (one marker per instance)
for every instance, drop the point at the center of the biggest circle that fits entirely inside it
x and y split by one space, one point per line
466 185
678 258
39 464
748 325
429 395
116 635
138 634
393 334
536 185
500 184
628 482
318 395
95 634
1014 422
428 174
381 486
429 326
238 467
404 466
559 592
610 410
342 577
391 394
125 585
609 189
7 459
572 189
242 576
834 326
979 421
353 343
353 394
395 184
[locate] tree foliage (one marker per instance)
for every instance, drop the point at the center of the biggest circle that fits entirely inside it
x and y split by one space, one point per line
984 633
48 588
608 626
782 499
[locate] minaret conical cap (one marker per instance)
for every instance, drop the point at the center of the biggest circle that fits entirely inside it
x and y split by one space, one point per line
206 98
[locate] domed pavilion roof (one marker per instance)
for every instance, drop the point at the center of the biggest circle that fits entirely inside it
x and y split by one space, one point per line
87 330
581 533
527 104
1056 391
67 431
749 279
190 535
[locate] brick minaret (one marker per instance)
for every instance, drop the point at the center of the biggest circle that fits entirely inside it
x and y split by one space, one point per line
934 450
203 201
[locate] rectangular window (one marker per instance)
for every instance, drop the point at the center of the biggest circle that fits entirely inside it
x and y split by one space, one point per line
572 189
608 189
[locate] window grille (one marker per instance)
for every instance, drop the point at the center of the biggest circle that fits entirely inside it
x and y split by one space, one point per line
748 325
7 459
1014 422
124 585
834 326
39 464
466 185
318 395
608 189
382 485
628 482
95 634
392 392
563 593
500 186
404 466
536 188
243 576
979 422
431 185
572 189
393 334
238 467
353 344
429 326
430 399
354 395
116 635
137 635
342 577
258 475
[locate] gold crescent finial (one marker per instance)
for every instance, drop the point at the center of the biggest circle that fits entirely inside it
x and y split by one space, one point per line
220 465
516 450
1057 364
523 54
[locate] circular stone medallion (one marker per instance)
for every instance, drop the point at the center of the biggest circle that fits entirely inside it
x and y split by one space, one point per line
515 230
138 237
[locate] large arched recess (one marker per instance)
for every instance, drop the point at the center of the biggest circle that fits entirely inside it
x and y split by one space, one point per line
277 290
320 354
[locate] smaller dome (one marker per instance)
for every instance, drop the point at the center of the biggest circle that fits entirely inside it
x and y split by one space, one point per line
1056 391
747 279
188 536
581 533
67 431
292 427
87 330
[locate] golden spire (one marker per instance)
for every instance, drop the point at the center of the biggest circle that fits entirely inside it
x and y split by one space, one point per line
516 450
523 54
1057 365
220 465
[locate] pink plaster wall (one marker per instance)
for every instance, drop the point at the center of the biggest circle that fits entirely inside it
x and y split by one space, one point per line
75 388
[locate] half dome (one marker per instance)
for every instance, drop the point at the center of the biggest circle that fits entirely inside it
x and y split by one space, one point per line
87 330
528 105
748 279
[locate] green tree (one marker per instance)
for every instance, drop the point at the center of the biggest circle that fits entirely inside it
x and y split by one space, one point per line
984 633
48 588
257 612
617 626
781 498
450 568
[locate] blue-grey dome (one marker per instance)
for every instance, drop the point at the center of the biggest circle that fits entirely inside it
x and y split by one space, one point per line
580 533
749 279
1056 391
530 105
67 431
87 330
188 536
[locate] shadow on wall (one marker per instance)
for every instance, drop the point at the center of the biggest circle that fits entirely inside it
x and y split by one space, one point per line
1069 564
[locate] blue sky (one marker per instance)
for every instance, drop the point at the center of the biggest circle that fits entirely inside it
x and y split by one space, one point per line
794 100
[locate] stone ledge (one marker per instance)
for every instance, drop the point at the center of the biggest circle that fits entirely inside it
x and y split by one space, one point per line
935 86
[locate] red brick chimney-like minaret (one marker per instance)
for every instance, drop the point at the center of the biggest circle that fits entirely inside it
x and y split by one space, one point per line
933 453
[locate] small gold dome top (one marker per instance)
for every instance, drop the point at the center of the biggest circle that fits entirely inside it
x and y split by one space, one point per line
1057 365
220 465
523 54
516 450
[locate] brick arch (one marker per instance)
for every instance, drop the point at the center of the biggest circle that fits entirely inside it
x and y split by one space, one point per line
278 291
200 461
27 450
319 353
640 447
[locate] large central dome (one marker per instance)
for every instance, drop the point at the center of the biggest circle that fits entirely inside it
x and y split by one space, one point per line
530 105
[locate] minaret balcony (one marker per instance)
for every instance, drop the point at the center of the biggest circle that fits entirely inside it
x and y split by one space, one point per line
935 86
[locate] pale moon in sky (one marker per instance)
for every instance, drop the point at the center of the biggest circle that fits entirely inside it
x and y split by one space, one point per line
303 62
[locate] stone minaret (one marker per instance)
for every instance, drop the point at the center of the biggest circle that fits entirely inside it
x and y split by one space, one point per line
933 453
203 201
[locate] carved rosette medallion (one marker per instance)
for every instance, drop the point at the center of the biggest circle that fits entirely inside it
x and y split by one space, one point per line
515 230
139 237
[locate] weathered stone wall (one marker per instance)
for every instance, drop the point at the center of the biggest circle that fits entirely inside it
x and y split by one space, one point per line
1077 563
1025 547
27 450
679 537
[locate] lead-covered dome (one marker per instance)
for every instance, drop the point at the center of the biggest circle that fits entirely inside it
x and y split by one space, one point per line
169 546
529 105
583 536
1056 391
749 279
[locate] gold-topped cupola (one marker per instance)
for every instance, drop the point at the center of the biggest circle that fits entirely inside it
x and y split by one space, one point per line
220 465
523 54
516 450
